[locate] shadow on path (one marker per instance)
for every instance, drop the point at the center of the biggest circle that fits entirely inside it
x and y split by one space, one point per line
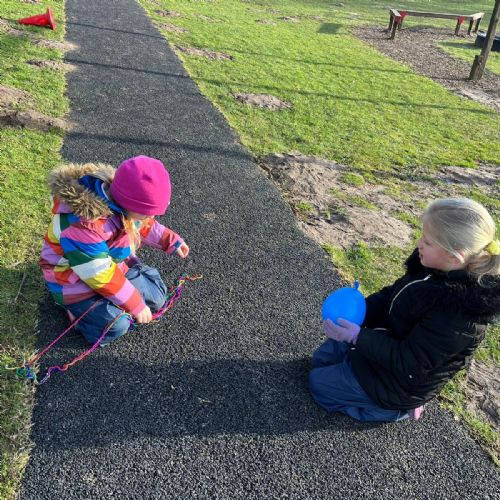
126 398
260 88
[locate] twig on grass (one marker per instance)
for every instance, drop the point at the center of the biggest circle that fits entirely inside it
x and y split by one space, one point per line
19 290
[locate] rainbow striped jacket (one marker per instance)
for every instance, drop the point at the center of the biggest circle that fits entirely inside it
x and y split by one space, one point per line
86 246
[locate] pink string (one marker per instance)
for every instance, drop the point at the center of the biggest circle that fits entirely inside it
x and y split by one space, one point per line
173 296
85 353
41 353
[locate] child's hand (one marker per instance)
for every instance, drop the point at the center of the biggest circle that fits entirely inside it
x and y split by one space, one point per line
345 331
144 316
183 250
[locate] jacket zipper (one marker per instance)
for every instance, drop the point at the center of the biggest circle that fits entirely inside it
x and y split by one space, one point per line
407 285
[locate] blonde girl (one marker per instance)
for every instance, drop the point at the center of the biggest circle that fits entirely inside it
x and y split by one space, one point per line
420 330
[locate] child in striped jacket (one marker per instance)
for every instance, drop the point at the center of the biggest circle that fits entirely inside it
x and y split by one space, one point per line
100 216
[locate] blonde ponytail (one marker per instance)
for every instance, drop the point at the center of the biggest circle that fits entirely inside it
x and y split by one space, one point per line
133 233
465 229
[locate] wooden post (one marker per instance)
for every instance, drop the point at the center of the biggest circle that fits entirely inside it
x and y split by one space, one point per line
479 64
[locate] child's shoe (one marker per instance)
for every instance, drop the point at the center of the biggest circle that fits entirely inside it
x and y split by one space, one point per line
416 413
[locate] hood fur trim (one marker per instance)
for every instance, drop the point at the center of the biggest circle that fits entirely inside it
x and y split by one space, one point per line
63 183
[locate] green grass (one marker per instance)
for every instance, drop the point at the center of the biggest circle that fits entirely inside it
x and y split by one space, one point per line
353 179
374 268
409 219
350 104
361 202
25 158
304 207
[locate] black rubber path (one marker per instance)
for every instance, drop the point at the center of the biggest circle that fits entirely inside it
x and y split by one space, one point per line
212 401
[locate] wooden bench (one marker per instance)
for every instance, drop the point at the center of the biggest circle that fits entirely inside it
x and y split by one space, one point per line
397 17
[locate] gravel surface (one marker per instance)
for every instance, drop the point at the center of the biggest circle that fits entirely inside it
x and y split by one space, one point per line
211 402
418 47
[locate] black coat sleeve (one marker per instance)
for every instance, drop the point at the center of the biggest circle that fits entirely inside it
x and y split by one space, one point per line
432 343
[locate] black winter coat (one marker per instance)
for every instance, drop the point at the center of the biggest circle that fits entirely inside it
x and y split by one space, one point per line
420 331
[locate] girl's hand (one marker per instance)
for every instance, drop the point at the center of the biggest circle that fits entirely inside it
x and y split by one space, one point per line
144 316
345 331
183 250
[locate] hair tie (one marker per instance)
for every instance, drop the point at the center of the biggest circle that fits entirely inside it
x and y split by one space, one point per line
493 248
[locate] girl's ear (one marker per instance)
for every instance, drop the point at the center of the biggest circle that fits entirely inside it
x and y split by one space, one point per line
458 262
462 256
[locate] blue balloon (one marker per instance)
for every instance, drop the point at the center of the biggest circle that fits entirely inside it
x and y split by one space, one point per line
347 303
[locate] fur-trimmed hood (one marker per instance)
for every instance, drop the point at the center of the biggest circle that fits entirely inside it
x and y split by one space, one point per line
461 290
64 185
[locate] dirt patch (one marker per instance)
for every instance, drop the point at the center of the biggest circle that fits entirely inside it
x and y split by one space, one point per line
55 65
10 96
14 32
485 177
290 19
31 119
54 44
311 185
266 101
335 205
5 27
266 21
209 54
168 13
172 28
418 48
316 18
483 391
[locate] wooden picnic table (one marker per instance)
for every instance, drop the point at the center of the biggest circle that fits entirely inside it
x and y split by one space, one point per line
396 18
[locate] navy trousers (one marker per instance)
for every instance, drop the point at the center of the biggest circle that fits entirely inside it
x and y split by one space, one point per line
334 386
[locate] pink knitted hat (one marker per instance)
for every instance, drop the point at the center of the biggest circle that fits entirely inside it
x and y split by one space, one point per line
142 184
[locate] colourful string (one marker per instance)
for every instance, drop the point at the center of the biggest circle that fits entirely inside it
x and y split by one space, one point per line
27 372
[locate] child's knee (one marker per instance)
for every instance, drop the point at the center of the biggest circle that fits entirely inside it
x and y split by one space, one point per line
120 327
149 283
156 301
330 352
157 293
